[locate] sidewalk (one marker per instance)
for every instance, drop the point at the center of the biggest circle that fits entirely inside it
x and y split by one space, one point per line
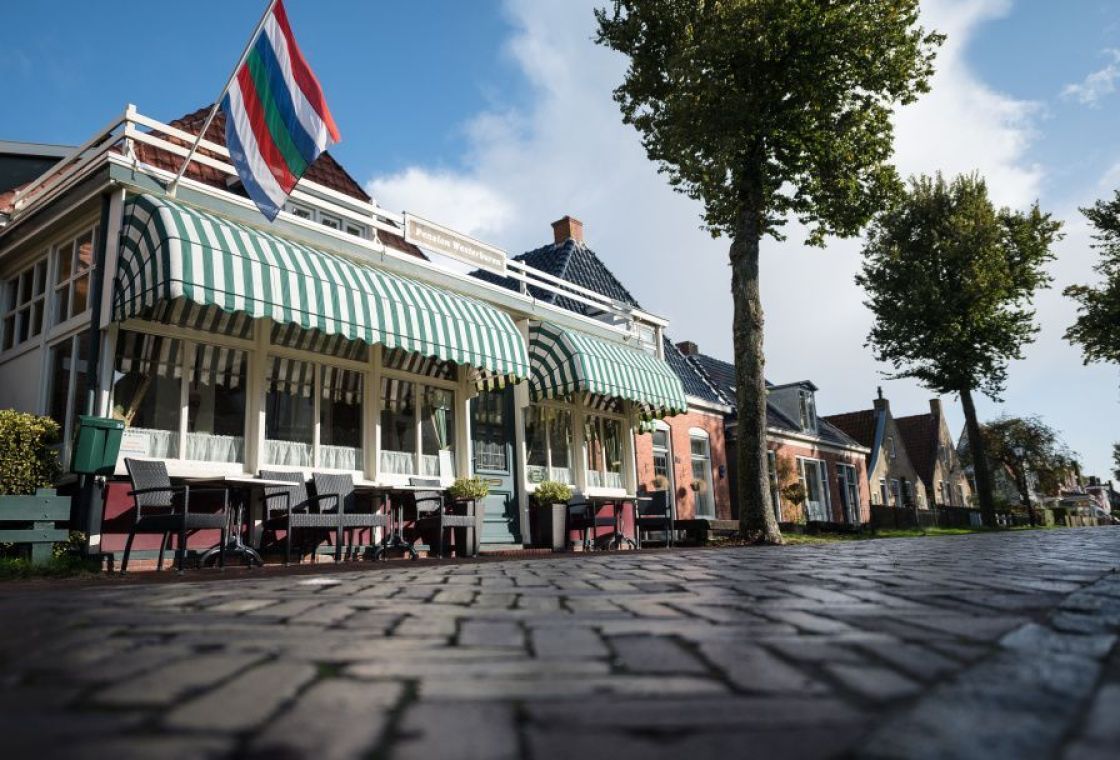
993 646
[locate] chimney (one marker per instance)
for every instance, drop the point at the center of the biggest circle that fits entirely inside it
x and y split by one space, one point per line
935 407
688 348
567 228
881 403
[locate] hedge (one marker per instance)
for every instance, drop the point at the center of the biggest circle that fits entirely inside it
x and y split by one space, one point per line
28 459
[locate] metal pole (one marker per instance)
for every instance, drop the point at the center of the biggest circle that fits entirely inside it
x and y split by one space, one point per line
218 102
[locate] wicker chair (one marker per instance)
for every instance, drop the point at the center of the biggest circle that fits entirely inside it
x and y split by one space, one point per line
432 511
655 513
292 507
163 508
341 487
584 517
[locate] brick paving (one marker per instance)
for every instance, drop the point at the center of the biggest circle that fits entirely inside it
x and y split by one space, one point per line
982 646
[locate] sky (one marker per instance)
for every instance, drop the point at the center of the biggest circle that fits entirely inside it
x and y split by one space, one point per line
495 117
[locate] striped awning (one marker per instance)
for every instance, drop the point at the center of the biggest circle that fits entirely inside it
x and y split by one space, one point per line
564 362
171 252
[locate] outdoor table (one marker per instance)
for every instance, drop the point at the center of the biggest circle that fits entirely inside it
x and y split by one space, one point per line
618 504
243 485
394 539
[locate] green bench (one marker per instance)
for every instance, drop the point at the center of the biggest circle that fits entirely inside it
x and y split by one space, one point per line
31 520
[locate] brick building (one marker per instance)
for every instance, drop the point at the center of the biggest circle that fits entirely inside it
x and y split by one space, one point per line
935 457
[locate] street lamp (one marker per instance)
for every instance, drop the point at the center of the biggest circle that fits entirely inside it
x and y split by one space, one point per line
1021 454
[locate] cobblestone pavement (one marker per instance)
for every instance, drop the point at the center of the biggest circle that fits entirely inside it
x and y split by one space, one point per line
986 646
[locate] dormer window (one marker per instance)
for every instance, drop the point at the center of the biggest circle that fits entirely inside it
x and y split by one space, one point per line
808 409
327 220
892 452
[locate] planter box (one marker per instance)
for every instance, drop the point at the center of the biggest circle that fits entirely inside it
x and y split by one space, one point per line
31 520
546 526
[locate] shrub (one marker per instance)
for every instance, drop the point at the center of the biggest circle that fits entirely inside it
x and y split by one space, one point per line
552 492
469 489
28 460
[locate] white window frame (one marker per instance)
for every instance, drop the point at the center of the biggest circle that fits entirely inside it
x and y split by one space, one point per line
596 417
822 473
531 487
775 484
75 274
419 382
66 428
18 310
807 409
327 219
709 498
847 478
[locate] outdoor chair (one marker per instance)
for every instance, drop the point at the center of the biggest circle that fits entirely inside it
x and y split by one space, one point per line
292 507
163 508
341 487
583 516
655 512
432 511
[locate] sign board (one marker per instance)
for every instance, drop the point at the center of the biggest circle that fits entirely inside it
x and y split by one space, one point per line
453 244
134 443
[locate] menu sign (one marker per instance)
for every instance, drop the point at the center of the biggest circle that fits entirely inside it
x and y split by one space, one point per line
455 245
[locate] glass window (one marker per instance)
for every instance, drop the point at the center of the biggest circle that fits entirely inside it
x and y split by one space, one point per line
68 383
24 305
147 392
849 491
437 432
330 221
549 442
702 475
398 426
73 262
536 444
216 405
340 419
814 480
808 411
289 412
604 452
775 489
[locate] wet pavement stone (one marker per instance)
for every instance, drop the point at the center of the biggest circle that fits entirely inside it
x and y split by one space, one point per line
983 646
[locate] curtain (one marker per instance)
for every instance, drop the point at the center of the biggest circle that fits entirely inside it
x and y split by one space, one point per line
203 447
339 457
288 453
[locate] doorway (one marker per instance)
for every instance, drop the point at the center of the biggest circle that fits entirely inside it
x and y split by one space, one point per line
492 452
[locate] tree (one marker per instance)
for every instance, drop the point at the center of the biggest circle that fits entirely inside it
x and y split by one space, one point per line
1027 446
766 110
950 280
1097 328
1116 460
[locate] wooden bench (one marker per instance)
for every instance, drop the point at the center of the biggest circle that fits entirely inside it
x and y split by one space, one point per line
41 511
700 529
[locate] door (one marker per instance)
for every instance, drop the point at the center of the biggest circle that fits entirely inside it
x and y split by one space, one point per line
663 462
492 450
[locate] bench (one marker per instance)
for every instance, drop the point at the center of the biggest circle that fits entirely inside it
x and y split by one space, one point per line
31 520
700 529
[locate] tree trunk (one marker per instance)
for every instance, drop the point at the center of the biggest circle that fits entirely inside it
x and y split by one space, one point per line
979 460
756 513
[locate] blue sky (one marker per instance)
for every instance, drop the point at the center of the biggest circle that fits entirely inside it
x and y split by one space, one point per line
496 118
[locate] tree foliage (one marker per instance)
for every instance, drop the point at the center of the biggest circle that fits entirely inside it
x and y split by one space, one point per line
1097 328
1045 456
951 279
790 98
28 453
1116 460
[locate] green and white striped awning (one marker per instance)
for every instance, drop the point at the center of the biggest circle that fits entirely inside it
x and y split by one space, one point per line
172 253
564 362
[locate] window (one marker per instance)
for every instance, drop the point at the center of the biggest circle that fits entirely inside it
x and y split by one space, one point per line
814 479
701 452
303 212
775 489
327 220
847 477
908 492
24 304
960 496
548 435
330 221
896 493
68 385
663 458
891 451
148 392
313 415
883 498
417 425
603 437
73 262
808 410
217 383
356 230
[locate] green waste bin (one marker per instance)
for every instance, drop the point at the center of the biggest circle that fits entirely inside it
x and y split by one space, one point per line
96 446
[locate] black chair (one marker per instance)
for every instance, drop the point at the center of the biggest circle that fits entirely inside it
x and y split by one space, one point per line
432 511
292 507
341 487
655 512
163 508
583 516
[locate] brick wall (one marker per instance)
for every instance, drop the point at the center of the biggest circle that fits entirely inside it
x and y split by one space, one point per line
679 427
794 448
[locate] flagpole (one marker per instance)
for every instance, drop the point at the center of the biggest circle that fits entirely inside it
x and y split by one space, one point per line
218 102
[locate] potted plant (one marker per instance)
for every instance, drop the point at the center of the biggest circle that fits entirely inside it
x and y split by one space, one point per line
550 514
28 469
469 489
660 483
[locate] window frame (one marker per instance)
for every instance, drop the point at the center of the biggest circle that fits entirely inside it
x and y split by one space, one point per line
847 478
822 473
709 497
18 310
531 487
419 382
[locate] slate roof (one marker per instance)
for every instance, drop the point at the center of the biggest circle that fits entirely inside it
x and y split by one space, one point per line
920 434
695 382
325 170
860 426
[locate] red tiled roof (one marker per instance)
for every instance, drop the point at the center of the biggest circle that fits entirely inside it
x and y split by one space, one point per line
325 170
859 425
920 437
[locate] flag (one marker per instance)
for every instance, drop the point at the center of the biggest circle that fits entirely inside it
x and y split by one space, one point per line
277 120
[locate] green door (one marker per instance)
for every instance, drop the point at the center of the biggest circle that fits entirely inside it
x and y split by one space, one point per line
492 450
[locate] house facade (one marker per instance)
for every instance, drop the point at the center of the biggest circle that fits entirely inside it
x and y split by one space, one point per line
803 449
893 479
323 341
935 457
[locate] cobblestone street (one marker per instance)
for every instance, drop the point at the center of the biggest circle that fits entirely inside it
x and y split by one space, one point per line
993 646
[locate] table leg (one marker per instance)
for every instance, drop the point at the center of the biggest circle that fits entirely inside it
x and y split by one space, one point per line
234 545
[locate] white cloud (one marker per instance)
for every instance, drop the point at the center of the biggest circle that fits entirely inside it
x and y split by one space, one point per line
1097 84
567 152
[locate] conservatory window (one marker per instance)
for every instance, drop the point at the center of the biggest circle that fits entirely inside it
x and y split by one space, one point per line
701 452
73 262
549 441
148 392
603 436
417 425
24 303
216 393
289 412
